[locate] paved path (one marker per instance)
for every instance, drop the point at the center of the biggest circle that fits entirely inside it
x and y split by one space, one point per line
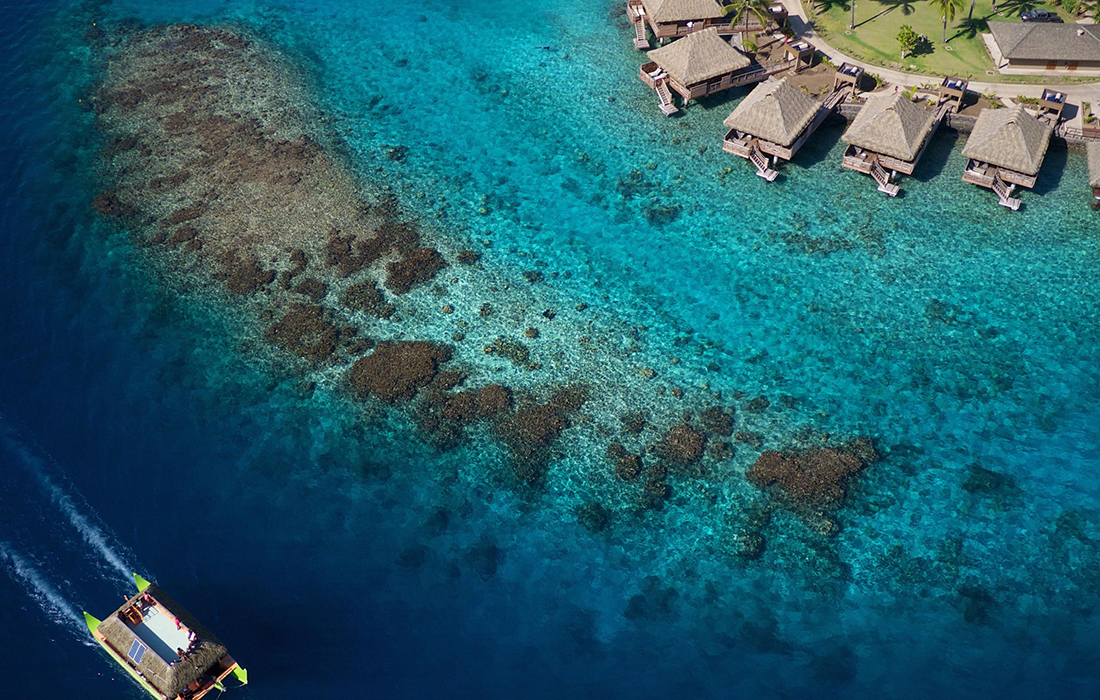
800 24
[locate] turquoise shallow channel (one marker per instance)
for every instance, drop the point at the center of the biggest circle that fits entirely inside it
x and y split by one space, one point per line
339 555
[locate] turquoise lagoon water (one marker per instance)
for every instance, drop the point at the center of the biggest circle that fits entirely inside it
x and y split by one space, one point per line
338 556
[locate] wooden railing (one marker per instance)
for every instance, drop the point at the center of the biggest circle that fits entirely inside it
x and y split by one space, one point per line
1063 131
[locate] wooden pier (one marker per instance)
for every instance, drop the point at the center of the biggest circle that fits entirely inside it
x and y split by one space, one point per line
635 11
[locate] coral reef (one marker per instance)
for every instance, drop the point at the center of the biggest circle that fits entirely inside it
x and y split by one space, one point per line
305 332
395 371
809 477
682 444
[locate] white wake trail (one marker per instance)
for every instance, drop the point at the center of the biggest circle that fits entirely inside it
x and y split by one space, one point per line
45 594
92 533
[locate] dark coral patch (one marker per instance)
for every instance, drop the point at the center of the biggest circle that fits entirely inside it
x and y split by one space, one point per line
349 254
717 421
414 268
109 204
367 296
461 407
244 275
530 431
627 465
808 477
313 288
305 332
493 399
682 444
395 371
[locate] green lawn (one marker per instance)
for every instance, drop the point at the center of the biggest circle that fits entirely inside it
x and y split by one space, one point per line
874 39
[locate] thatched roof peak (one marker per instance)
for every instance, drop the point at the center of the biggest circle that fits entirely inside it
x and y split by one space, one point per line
682 10
775 111
698 57
891 125
1009 138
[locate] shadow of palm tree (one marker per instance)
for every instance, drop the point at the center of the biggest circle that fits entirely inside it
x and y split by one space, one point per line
907 7
1017 7
971 28
826 5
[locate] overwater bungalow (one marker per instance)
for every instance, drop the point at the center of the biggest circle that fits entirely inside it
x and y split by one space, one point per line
775 119
699 65
669 19
1005 149
1094 172
888 137
953 92
163 648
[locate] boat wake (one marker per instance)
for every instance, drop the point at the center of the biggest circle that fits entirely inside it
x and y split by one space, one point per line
49 598
52 542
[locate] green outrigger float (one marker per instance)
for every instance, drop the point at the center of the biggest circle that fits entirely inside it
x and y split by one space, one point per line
163 647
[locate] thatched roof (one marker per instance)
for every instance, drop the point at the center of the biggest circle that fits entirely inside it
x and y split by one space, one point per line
775 111
891 125
1009 138
1094 163
681 10
169 679
698 57
1047 41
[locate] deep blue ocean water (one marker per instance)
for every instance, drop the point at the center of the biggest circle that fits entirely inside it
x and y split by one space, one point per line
134 434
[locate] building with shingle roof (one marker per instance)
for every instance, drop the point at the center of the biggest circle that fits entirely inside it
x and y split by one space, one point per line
682 10
1047 44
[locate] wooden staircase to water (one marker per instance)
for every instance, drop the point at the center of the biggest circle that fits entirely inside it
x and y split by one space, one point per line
665 95
883 179
1004 193
636 13
760 162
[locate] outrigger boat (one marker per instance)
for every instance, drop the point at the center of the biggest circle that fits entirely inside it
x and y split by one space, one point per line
163 648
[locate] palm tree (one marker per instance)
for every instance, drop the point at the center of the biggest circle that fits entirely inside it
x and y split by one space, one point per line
738 8
852 23
947 9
